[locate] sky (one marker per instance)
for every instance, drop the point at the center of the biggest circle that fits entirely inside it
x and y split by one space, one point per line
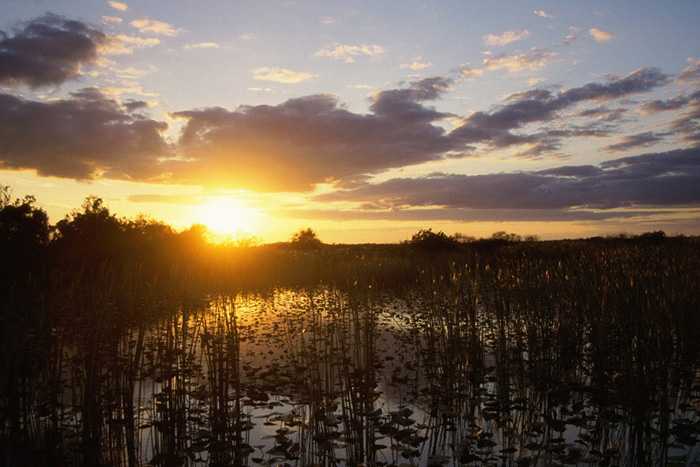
366 121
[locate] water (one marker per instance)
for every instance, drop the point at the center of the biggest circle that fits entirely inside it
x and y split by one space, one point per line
328 377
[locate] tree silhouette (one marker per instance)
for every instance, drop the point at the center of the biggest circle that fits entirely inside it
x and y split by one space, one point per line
306 239
429 240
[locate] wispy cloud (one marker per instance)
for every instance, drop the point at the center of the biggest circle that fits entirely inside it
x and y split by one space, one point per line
542 14
505 38
648 138
327 20
571 36
533 59
417 64
601 36
348 52
366 87
133 72
111 19
124 44
202 45
127 87
467 71
154 26
121 6
281 75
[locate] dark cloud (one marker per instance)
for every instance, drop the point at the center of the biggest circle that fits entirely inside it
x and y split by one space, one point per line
495 128
638 140
48 50
294 145
464 215
308 140
658 179
304 141
675 103
604 114
687 124
134 105
83 136
405 104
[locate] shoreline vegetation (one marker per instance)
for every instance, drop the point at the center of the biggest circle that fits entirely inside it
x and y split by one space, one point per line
125 343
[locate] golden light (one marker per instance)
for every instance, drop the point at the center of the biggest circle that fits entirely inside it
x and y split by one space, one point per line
228 217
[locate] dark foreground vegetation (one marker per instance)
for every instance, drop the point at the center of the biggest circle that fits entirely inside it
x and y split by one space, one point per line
123 343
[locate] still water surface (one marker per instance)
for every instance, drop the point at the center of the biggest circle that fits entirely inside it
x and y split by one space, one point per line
325 377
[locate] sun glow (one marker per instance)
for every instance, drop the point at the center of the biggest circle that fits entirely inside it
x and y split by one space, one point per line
229 217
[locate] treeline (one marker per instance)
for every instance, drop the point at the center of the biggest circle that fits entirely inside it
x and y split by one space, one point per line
93 238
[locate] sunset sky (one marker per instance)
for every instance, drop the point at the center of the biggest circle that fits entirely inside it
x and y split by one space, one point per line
364 120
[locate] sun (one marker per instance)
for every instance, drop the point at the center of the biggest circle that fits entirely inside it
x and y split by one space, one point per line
229 217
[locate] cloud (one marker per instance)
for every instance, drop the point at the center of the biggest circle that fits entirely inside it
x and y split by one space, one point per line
542 14
533 59
687 124
111 20
505 38
371 212
327 20
164 199
131 73
495 128
281 75
600 36
417 64
361 86
294 145
202 45
647 138
657 179
124 44
126 87
154 26
604 114
133 105
405 105
675 103
470 72
118 5
691 73
571 36
86 135
304 141
47 50
347 52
